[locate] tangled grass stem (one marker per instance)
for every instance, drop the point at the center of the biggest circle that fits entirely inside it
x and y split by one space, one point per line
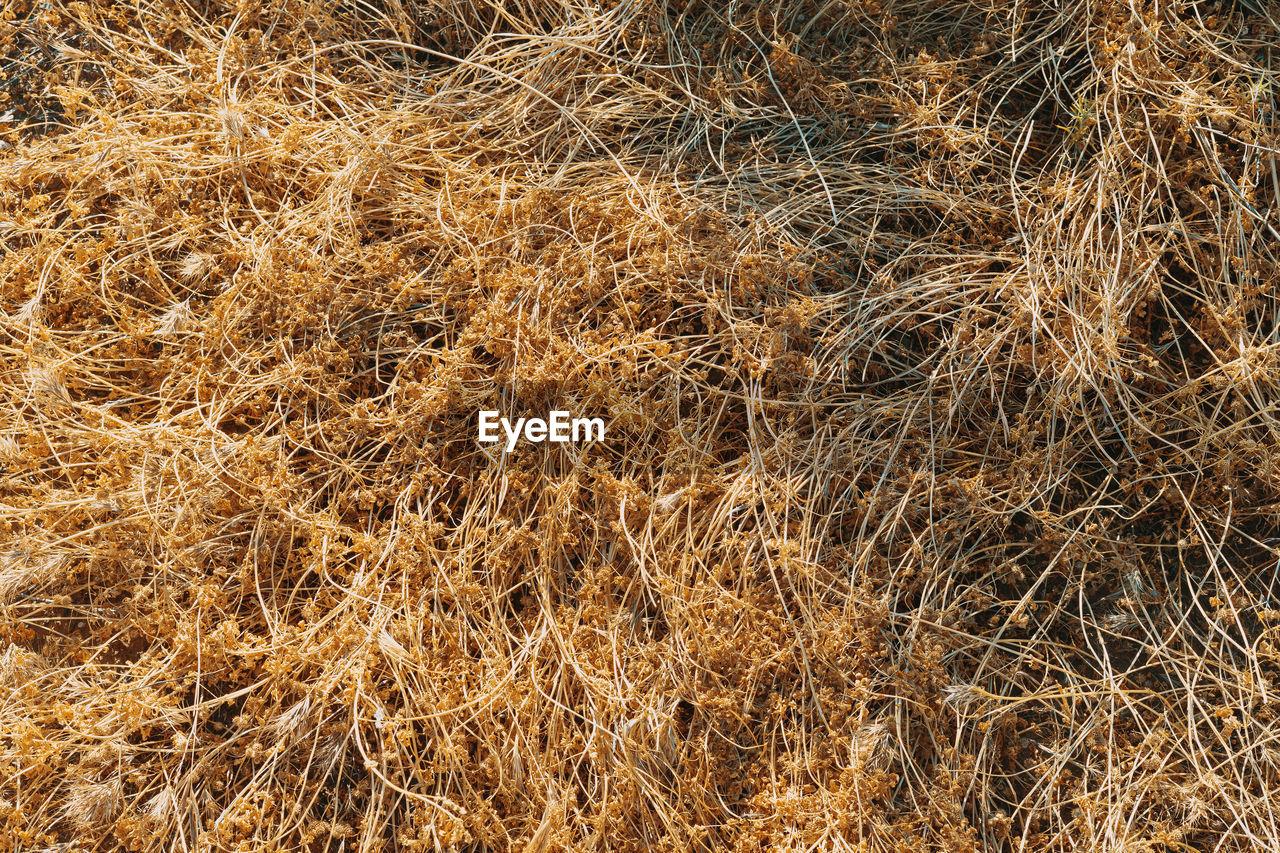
939 355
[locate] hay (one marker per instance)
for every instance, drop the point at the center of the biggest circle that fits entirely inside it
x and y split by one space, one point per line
939 351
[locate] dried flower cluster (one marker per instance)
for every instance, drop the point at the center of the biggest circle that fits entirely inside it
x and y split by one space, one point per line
940 350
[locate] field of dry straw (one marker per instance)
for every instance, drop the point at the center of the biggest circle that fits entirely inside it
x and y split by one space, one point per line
939 344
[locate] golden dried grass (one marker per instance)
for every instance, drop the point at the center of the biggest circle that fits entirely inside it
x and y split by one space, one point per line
938 344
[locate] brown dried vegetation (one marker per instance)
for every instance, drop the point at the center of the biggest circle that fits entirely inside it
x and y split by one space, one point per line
939 347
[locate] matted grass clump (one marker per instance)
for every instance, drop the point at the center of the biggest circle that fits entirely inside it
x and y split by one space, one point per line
939 349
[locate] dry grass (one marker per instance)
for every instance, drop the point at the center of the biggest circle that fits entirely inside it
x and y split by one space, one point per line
940 349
